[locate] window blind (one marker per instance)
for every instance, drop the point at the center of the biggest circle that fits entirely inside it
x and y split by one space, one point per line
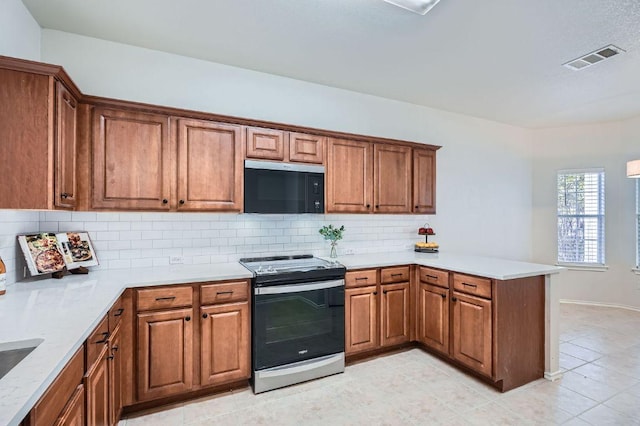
581 216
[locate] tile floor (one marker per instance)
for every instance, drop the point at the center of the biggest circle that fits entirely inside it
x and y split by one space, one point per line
600 356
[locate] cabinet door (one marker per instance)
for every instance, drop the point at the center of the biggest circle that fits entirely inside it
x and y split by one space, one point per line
165 353
73 414
115 377
306 148
349 176
65 148
433 317
392 178
361 319
224 343
472 335
97 388
394 310
131 160
266 144
424 181
210 168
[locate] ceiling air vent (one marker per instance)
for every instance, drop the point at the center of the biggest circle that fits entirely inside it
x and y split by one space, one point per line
593 57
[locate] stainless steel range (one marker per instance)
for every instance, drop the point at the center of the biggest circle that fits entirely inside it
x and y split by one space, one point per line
297 319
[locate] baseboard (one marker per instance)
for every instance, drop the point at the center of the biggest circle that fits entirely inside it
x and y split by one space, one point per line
556 375
604 305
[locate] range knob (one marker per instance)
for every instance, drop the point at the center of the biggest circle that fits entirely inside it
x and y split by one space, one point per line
259 270
271 270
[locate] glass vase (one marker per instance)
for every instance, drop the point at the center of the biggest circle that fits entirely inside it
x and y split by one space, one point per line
334 250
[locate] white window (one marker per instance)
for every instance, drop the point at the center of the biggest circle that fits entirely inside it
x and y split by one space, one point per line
581 217
638 223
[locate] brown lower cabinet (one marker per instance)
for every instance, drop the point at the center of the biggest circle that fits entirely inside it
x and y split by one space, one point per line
394 311
361 319
96 382
471 331
433 318
73 414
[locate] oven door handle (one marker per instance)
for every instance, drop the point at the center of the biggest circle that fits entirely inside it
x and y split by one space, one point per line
296 288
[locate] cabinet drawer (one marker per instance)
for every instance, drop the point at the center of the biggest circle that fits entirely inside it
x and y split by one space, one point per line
472 285
50 406
394 275
434 277
97 341
115 314
164 298
224 293
361 278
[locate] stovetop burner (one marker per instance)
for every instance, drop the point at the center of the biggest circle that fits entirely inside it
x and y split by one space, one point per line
278 269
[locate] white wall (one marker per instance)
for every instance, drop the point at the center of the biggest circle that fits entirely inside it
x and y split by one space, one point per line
14 223
484 168
19 32
608 145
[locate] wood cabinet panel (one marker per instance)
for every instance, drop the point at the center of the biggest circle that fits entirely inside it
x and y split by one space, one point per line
267 144
97 389
115 314
115 377
165 353
394 327
392 178
210 166
224 343
434 277
96 342
394 275
361 328
51 404
424 181
433 317
475 286
349 177
224 292
365 277
164 297
131 160
472 332
306 148
74 413
65 148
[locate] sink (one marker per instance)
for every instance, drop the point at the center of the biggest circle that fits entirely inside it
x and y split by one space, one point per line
11 353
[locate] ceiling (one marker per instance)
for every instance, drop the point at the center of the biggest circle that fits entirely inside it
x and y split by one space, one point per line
498 59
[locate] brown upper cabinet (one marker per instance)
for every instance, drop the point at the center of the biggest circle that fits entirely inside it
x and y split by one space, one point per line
392 178
278 145
424 181
131 156
349 177
38 104
210 169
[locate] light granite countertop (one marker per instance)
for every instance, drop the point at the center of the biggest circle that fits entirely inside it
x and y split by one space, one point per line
64 312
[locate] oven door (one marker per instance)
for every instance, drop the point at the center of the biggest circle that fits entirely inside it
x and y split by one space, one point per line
297 322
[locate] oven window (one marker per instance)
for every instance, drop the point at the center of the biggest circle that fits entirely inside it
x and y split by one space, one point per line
297 326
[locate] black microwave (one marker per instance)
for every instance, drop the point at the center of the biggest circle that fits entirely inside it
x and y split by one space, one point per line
271 187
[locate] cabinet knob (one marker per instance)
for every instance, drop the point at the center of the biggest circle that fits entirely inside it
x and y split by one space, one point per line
375 293
165 201
454 299
205 316
415 207
384 291
115 348
377 206
444 296
64 195
110 357
181 201
187 319
368 206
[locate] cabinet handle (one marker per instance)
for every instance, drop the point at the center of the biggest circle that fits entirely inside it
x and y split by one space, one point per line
187 318
454 299
444 296
433 277
118 312
375 293
384 291
161 299
224 292
64 195
362 278
181 201
205 316
114 349
105 338
110 357
470 285
165 201
396 275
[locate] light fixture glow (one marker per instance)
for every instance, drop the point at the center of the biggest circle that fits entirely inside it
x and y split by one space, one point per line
421 7
633 169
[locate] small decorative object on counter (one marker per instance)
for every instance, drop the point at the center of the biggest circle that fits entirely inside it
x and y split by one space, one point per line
334 235
3 278
427 246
